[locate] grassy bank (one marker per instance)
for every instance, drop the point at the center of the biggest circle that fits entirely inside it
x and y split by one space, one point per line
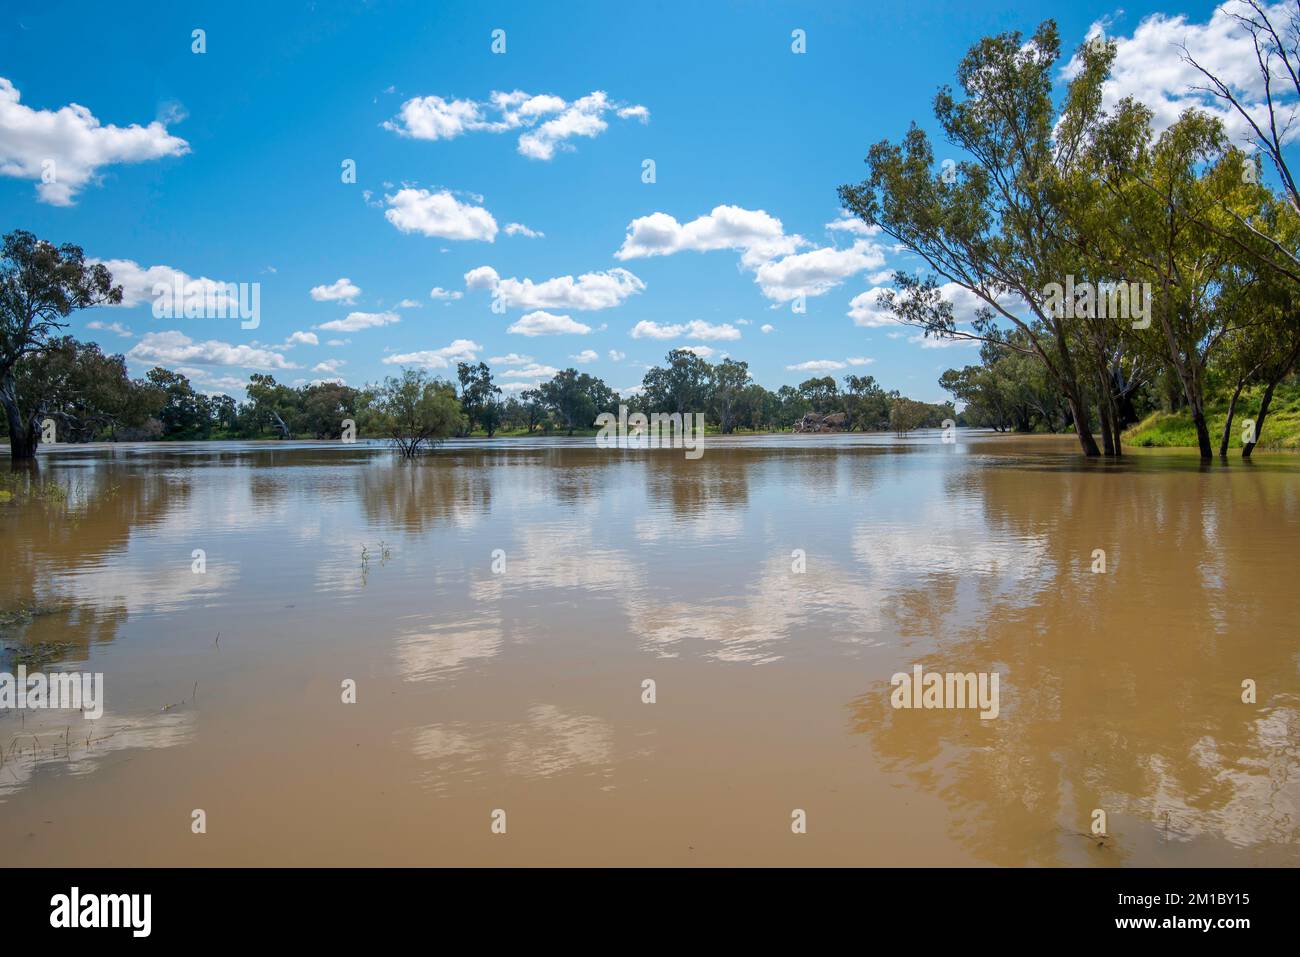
1281 428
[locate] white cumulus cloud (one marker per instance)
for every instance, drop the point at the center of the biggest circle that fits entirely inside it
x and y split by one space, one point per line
355 321
63 150
695 329
546 122
174 348
816 272
542 323
439 214
593 290
1150 67
462 350
340 290
757 235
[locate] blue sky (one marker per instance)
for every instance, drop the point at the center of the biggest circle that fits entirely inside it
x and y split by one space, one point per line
285 92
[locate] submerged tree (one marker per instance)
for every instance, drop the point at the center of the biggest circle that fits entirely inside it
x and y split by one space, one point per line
415 411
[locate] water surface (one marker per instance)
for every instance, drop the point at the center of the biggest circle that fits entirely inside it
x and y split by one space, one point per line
515 682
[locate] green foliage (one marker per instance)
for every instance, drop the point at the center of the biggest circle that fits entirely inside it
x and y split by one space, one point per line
413 410
1175 429
576 398
40 286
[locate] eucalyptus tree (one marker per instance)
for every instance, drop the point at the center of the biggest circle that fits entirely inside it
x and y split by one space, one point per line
577 398
727 384
1153 197
681 386
989 223
40 286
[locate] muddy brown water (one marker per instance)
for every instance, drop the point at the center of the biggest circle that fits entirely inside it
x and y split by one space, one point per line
514 681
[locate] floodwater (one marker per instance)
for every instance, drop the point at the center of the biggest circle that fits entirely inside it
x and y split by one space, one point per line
513 680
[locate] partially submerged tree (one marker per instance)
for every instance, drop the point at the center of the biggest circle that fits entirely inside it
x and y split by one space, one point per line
988 223
415 411
40 286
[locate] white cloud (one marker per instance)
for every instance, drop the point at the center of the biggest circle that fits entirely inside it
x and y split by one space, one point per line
585 356
533 371
583 118
433 118
409 304
547 121
815 272
361 320
437 292
138 283
116 327
864 311
781 271
617 356
630 390
462 350
703 352
173 348
210 384
766 328
756 234
542 323
511 359
1149 66
330 366
340 290
935 342
71 144
846 222
593 290
859 361
817 365
965 305
695 329
439 214
301 339
519 229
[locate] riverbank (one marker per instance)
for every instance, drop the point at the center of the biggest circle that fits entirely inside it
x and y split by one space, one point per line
1173 430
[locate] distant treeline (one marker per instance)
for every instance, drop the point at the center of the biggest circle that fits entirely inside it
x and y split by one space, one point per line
90 397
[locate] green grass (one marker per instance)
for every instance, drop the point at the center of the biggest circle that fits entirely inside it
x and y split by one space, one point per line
1170 430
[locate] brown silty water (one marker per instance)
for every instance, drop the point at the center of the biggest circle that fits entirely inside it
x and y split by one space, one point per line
500 607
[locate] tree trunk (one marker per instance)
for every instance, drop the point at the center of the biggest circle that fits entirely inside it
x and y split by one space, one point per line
1282 369
1202 432
1080 417
1107 433
1249 447
23 436
1227 426
280 425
